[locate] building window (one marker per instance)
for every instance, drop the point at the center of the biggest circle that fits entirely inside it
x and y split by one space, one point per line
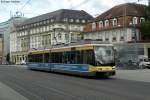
41 29
83 21
107 39
106 36
81 28
106 23
135 20
59 36
44 28
114 39
71 20
44 22
77 20
65 19
142 20
34 24
93 26
52 20
47 28
47 21
114 22
101 24
40 23
100 37
37 30
121 38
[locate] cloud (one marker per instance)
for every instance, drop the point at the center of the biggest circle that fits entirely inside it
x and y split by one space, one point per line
38 7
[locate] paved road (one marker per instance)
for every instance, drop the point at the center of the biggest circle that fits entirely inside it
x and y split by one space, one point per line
136 75
36 85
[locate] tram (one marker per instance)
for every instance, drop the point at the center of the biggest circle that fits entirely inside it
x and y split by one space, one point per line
85 59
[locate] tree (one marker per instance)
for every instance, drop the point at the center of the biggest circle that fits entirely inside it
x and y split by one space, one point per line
145 26
8 57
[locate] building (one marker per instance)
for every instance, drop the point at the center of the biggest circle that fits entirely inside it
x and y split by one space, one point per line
42 32
128 54
5 29
1 48
119 24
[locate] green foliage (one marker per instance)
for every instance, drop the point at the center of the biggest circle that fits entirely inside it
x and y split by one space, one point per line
148 12
145 26
8 57
145 29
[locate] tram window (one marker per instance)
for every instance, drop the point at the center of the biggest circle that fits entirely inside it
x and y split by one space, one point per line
57 57
72 57
69 57
46 57
39 58
88 57
35 58
79 57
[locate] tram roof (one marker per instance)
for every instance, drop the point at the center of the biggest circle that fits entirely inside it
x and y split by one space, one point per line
78 46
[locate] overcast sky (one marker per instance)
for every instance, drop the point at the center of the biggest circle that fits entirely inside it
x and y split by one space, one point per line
38 7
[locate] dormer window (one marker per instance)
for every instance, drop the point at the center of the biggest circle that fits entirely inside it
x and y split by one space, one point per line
77 20
114 22
93 26
106 23
52 20
71 20
135 20
142 19
65 19
44 22
101 24
40 23
47 21
83 21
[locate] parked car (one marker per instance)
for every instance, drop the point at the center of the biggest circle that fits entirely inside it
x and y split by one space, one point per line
23 62
143 61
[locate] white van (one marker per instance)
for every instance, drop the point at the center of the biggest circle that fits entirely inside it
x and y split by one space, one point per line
143 61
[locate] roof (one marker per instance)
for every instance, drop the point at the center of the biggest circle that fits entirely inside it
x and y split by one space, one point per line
128 9
59 16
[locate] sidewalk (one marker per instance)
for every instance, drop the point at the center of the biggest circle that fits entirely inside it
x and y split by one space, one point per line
136 75
6 93
15 65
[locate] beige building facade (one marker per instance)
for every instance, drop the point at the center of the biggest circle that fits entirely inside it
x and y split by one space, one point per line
42 32
1 48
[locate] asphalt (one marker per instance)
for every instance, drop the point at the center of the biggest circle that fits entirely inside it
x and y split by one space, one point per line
142 75
6 93
37 85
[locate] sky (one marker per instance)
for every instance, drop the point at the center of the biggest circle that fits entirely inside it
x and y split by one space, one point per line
31 8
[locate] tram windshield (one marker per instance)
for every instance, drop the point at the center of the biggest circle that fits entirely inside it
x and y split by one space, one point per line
104 55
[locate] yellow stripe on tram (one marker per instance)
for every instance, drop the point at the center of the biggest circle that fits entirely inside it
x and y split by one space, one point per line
101 68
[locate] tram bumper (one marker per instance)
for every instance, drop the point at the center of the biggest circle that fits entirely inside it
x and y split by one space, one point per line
104 71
